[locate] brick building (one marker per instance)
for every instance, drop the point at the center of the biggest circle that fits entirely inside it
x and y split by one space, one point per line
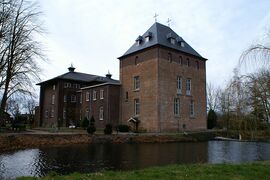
162 88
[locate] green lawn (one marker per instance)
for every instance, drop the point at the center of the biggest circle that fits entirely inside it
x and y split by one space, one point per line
258 170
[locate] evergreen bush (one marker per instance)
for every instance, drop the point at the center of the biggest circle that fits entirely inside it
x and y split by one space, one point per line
108 129
123 128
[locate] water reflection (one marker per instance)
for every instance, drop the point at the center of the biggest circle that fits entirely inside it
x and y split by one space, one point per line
96 157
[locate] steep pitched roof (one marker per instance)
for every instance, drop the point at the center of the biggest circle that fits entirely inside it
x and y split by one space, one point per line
83 77
160 35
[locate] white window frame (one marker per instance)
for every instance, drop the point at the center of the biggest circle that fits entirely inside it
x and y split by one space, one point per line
64 113
94 95
53 98
188 87
52 112
176 107
101 113
192 109
54 87
73 98
136 107
81 98
101 94
136 83
179 84
87 96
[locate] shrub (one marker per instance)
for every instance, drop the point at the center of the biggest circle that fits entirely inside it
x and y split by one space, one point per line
123 128
211 119
108 129
91 129
85 122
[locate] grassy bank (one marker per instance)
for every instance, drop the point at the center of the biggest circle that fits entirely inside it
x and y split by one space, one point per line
258 170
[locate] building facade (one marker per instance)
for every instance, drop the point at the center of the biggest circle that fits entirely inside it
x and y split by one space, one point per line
162 88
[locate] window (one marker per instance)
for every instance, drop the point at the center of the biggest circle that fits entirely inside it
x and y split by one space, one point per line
101 113
176 108
46 114
52 112
197 65
147 38
67 85
53 99
172 41
53 87
126 96
64 113
179 85
192 109
87 113
81 98
101 95
80 114
136 107
87 96
180 60
169 57
188 62
65 98
188 87
73 98
94 95
182 44
136 60
136 83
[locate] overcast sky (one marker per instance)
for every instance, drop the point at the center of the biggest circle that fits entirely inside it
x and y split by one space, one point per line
91 34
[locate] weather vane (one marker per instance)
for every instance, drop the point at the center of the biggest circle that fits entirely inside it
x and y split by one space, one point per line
155 16
168 21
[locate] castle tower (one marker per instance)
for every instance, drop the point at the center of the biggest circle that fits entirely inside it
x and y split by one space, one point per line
163 83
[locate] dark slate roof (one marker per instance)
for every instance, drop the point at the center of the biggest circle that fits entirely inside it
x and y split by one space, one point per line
83 77
160 35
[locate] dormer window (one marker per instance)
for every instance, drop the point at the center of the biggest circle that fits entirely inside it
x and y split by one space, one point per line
139 40
148 37
182 44
172 41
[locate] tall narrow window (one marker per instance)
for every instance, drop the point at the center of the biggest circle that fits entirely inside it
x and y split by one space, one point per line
197 65
80 114
94 95
81 98
188 62
188 87
53 99
87 96
136 60
101 113
136 107
46 114
54 87
192 109
87 113
65 98
179 85
64 113
176 108
52 112
73 98
169 57
101 94
180 60
126 96
136 83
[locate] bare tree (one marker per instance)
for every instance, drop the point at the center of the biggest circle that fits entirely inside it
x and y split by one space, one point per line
20 25
257 53
213 97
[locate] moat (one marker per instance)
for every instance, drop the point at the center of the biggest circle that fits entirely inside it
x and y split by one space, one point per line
96 157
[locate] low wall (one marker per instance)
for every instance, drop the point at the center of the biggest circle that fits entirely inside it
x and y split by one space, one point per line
10 142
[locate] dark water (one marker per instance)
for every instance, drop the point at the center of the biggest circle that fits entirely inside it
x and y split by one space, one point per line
96 157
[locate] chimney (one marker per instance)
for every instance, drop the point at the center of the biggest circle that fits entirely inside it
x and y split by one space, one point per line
71 68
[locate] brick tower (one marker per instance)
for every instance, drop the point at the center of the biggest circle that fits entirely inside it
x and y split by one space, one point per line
163 83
